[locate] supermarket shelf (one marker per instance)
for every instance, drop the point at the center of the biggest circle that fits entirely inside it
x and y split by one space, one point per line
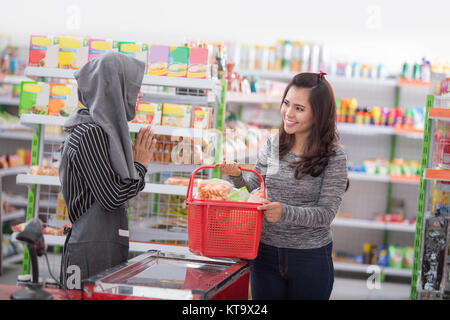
9 101
13 171
437 174
28 179
253 98
28 136
287 76
409 133
363 268
375 225
34 119
361 129
414 180
13 215
148 79
13 126
439 114
12 259
23 202
175 98
157 167
403 82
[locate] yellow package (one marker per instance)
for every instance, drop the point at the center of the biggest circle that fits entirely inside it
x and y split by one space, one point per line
176 115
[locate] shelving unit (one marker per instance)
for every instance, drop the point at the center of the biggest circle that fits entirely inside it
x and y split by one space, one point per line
431 175
186 91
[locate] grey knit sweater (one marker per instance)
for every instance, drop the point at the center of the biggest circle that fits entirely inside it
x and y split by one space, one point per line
309 204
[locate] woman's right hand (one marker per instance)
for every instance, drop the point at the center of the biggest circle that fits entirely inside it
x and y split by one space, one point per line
143 146
231 169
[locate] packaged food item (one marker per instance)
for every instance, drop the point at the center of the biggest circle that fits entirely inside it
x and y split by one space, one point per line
43 52
176 115
44 171
138 50
3 162
180 181
213 189
296 56
396 255
256 195
409 258
61 208
178 61
201 117
99 46
158 60
15 160
198 63
73 52
34 98
239 195
63 98
148 113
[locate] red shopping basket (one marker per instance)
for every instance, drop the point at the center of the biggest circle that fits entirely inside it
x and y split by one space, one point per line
223 229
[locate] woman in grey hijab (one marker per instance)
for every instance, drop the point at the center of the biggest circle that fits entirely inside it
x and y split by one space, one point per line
100 167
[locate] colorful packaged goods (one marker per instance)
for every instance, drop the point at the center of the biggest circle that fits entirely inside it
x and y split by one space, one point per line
175 115
138 50
100 46
158 60
441 152
217 189
198 63
148 113
201 117
42 52
34 98
396 257
178 61
73 52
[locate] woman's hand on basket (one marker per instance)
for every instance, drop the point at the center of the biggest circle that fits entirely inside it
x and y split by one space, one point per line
273 210
231 169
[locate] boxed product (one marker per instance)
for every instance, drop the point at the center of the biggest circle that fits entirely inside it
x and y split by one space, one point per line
34 98
158 60
73 52
198 63
100 46
383 256
43 52
63 98
175 115
396 255
138 50
201 117
148 113
178 61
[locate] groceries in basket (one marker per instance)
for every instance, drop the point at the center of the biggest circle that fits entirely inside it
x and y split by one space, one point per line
217 189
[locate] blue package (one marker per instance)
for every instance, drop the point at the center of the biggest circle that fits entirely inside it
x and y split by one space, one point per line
383 256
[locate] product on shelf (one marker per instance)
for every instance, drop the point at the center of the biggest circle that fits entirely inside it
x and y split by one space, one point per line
99 46
396 256
179 181
440 199
201 117
10 248
43 52
192 151
384 167
148 113
138 50
21 158
176 115
34 98
43 171
46 230
198 63
178 61
441 153
63 99
61 208
158 60
73 52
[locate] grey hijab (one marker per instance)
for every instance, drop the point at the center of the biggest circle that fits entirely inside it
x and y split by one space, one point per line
108 87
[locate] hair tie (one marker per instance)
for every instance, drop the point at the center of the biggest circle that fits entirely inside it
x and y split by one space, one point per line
322 74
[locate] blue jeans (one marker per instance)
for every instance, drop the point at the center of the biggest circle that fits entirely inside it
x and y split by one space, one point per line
292 274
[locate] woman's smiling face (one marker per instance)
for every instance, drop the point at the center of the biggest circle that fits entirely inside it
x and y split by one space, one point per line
296 111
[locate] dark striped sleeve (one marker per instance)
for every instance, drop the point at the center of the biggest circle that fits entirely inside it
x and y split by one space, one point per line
93 162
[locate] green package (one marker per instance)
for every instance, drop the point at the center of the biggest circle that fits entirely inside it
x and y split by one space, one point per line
240 195
396 256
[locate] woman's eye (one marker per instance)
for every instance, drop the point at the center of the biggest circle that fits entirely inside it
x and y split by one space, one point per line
299 109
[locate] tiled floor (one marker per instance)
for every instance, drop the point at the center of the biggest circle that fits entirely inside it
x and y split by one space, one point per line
344 288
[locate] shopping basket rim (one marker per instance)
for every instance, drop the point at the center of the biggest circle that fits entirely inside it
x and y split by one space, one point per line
226 203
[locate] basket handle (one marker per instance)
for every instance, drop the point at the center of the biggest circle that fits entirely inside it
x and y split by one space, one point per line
191 179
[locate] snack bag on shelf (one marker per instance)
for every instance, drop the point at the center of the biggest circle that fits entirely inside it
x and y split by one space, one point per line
100 46
138 50
201 117
148 113
175 115
198 63
178 61
63 99
43 171
73 52
158 60
34 98
409 258
43 52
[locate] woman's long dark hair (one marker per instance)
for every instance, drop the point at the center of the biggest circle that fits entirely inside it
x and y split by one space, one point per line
324 136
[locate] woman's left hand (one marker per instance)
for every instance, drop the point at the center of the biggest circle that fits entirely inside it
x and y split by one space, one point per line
273 210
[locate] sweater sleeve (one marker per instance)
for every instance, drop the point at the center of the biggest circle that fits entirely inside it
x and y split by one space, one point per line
249 179
330 198
93 162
